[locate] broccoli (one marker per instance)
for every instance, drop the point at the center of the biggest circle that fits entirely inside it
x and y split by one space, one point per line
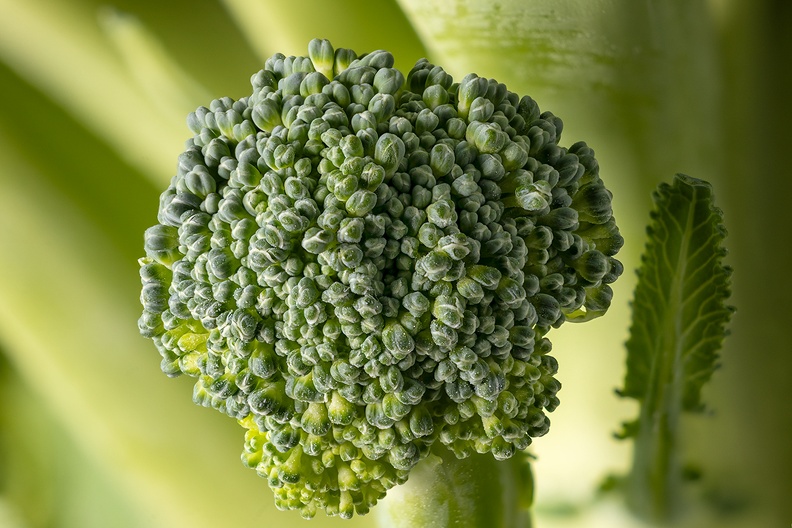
361 267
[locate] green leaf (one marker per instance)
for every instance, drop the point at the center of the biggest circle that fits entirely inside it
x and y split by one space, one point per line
170 89
679 311
357 24
46 480
679 323
77 68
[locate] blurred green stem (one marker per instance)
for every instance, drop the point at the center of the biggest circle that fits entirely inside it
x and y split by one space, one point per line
474 492
655 484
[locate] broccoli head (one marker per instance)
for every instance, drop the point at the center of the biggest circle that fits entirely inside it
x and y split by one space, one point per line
359 267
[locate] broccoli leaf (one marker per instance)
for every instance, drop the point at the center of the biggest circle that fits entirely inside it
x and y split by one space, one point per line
679 319
679 311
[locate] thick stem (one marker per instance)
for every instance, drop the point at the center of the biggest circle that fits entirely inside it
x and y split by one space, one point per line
474 492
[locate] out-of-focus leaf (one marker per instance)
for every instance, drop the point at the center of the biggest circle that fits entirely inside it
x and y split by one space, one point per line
68 335
171 90
679 311
679 320
75 66
45 480
274 26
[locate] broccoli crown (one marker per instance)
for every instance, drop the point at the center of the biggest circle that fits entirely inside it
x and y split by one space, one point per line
358 266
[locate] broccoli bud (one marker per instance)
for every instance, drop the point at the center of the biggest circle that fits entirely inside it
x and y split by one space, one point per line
358 267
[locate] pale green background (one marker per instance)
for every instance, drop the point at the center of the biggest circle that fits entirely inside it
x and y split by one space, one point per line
92 119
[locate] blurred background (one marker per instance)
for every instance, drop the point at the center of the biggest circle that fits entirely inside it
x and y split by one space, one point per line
94 99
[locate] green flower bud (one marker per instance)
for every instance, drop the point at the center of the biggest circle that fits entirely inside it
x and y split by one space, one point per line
361 203
315 419
322 56
487 276
564 218
592 265
441 160
388 81
465 185
514 156
421 423
266 115
441 214
470 290
397 340
162 244
389 152
270 400
435 265
593 203
313 83
435 96
481 109
449 310
443 335
470 88
547 309
534 197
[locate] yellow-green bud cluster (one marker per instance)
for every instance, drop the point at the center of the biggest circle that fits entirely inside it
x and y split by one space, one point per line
359 266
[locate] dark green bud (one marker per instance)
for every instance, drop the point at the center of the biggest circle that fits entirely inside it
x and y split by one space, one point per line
481 109
361 203
534 197
564 218
313 83
441 160
426 121
435 96
593 203
388 81
449 310
421 423
443 335
382 106
435 265
592 265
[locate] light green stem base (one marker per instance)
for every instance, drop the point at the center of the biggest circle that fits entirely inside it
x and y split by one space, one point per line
478 491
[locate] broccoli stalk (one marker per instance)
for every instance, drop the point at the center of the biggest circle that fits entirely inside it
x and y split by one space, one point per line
361 268
477 492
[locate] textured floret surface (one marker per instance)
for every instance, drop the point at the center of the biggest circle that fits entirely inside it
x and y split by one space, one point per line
359 266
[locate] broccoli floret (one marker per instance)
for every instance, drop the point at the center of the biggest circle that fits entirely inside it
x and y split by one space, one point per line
358 267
